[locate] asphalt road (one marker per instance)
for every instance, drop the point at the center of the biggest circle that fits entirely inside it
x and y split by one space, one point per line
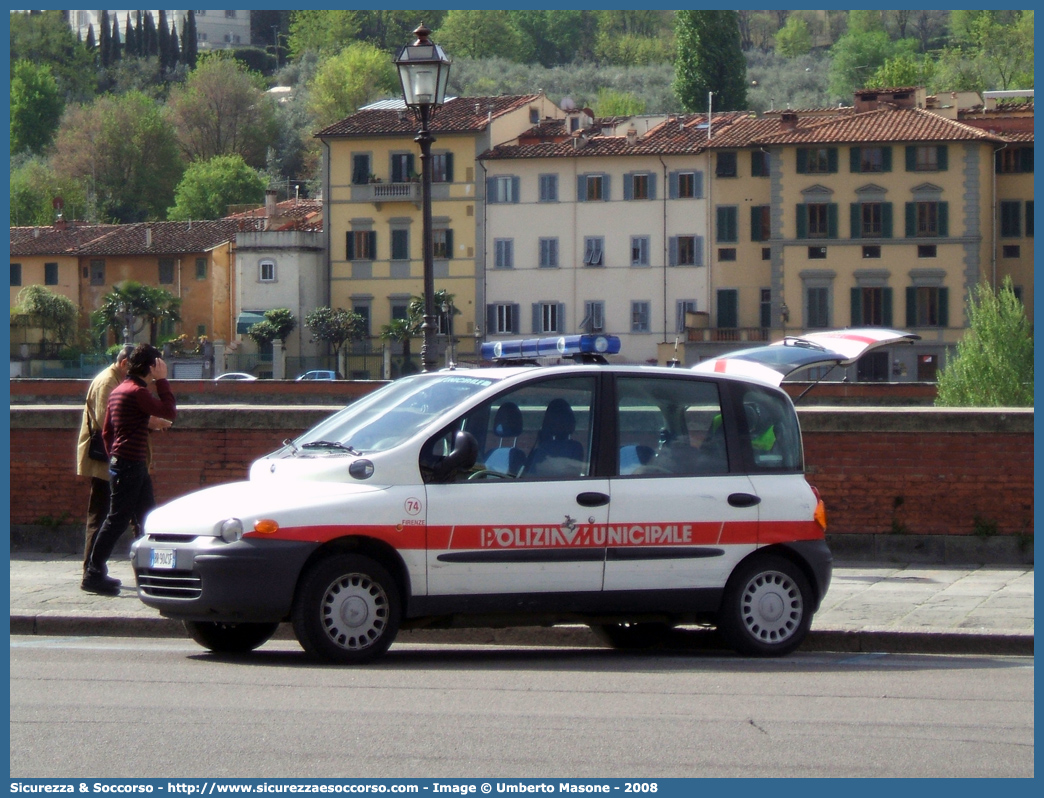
163 708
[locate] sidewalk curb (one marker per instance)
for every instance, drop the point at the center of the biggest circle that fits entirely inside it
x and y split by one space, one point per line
888 641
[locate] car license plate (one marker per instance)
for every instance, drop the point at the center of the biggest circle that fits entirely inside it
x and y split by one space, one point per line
162 559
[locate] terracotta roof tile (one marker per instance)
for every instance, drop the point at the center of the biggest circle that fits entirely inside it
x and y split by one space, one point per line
165 238
880 125
56 240
293 214
459 115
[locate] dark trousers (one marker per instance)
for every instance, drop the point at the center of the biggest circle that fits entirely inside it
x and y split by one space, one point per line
97 511
130 499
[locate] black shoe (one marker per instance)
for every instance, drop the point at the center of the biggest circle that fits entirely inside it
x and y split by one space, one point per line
101 584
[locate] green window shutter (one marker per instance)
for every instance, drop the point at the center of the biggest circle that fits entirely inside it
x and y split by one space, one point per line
911 159
802 162
409 167
802 221
516 183
942 158
886 307
581 188
349 246
832 220
449 243
629 186
699 185
944 218
1026 160
886 159
857 307
911 219
911 306
854 160
855 220
886 220
832 159
944 307
372 235
755 223
449 167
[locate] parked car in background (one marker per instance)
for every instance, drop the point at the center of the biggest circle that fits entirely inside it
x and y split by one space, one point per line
319 374
230 376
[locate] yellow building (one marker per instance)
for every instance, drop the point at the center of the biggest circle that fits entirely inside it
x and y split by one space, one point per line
372 205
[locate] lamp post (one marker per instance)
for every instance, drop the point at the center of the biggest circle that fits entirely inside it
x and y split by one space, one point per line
424 71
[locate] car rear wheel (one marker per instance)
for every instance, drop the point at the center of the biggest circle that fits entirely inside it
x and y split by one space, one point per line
632 636
230 638
766 608
347 610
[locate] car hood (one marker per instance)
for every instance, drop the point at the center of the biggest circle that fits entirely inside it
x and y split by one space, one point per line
828 348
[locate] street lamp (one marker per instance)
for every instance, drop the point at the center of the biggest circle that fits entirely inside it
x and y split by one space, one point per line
424 71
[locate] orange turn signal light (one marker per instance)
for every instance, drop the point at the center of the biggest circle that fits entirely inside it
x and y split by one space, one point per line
820 515
266 526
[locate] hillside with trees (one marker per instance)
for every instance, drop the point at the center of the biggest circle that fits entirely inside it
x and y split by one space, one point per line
115 123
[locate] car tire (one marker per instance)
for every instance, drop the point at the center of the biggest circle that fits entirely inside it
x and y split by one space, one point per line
347 610
766 608
632 636
230 638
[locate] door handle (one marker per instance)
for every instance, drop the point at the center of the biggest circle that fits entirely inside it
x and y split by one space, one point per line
592 499
744 500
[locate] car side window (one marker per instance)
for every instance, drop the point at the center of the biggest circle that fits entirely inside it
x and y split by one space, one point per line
670 427
772 431
538 431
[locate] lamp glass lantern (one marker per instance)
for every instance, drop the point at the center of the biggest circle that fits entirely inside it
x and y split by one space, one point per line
423 71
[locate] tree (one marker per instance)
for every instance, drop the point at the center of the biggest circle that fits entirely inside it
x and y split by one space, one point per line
857 55
709 59
33 188
355 76
335 327
135 306
324 32
210 187
188 40
36 106
401 331
993 366
477 34
389 30
989 51
44 37
552 37
903 70
222 110
123 150
277 326
794 38
618 103
55 315
262 333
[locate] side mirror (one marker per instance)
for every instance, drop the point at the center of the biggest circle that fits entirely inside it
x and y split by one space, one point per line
462 457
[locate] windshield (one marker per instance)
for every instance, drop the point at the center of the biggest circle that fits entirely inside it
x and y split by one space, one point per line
392 414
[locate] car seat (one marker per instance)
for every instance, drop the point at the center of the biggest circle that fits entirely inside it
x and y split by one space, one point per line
507 423
556 453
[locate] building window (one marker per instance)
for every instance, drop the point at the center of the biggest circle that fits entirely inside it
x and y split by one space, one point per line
927 306
728 307
166 271
1015 160
872 306
442 243
442 167
639 250
725 165
871 159
97 272
361 169
766 253
362 308
926 250
818 220
682 307
593 250
1011 219
870 220
640 317
548 317
817 310
817 253
727 229
549 188
503 253
684 251
16 274
592 188
726 254
926 219
201 330
502 318
759 163
872 251
400 309
400 244
640 186
816 160
401 167
50 274
926 158
685 185
503 188
266 271
594 317
548 253
361 244
760 222
1011 251
1029 219
201 268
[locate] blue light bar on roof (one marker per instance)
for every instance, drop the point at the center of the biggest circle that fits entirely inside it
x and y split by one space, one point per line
562 346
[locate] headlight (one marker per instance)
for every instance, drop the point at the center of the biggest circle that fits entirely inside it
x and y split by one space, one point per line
231 530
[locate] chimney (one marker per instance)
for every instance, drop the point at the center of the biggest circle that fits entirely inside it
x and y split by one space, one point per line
148 238
270 203
632 136
788 121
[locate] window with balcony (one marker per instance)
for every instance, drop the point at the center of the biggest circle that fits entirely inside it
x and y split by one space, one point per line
402 170
361 170
728 307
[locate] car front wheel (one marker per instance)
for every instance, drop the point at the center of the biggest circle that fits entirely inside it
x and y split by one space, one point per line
230 638
766 608
347 610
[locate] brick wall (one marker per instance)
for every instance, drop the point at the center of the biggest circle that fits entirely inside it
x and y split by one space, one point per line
880 470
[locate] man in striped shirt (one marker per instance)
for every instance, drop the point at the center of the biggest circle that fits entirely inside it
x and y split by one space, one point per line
126 433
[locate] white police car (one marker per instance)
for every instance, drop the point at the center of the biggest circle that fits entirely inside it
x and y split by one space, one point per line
629 498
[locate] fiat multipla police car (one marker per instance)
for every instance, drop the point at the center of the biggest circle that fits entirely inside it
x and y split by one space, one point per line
633 499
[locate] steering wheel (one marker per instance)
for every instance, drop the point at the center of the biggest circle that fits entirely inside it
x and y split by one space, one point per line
478 475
